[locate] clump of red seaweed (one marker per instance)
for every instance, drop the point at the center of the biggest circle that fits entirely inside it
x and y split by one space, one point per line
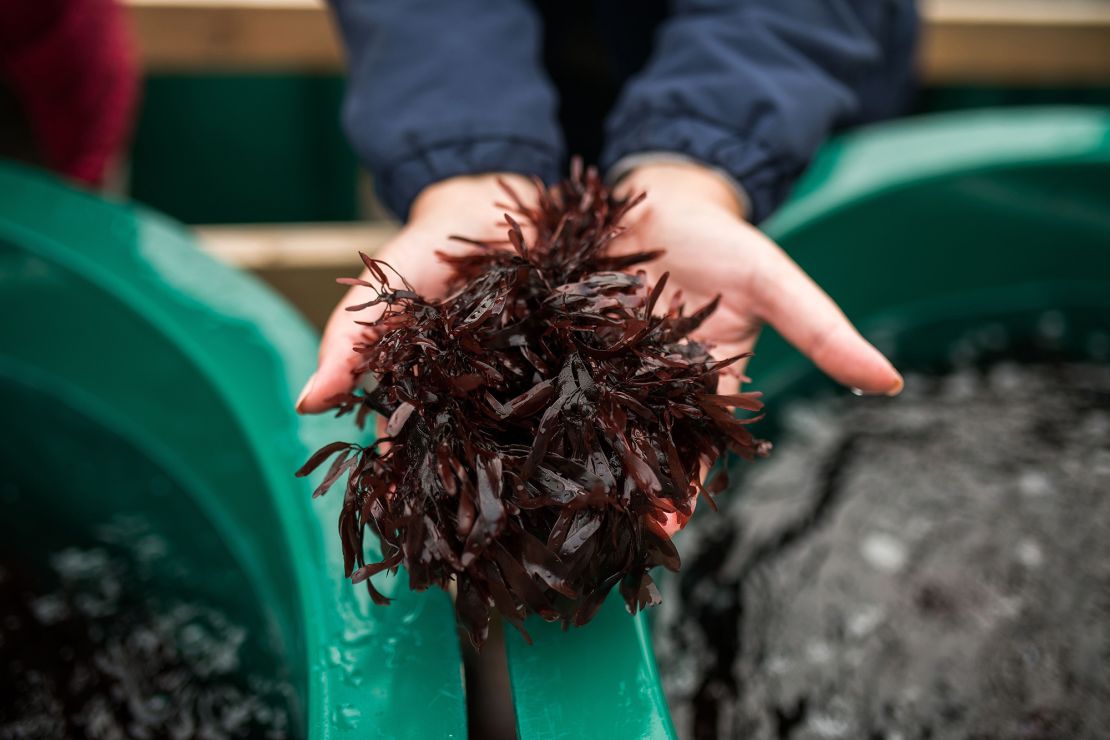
543 421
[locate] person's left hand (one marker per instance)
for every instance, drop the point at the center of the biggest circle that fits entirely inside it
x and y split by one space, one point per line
694 215
710 249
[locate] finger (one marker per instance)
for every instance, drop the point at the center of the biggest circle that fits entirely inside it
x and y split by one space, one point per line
337 359
787 299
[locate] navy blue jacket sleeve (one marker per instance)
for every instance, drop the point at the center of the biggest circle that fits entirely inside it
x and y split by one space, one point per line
446 87
752 87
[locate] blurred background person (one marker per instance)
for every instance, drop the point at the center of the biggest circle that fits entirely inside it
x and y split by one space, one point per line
68 86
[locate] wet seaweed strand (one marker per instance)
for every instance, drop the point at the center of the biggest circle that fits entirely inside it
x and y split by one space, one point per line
543 420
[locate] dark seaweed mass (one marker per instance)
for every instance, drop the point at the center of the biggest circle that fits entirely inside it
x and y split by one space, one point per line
931 566
543 420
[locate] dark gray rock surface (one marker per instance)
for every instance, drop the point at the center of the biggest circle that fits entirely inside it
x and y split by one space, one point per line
932 566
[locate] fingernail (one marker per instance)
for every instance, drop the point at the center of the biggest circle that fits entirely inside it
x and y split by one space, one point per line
897 387
305 391
893 391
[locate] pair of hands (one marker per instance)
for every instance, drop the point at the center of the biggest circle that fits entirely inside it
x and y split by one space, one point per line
710 249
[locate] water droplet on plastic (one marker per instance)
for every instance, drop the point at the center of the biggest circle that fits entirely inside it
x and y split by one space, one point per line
346 717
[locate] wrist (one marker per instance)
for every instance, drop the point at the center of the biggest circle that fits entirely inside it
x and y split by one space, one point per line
457 195
688 181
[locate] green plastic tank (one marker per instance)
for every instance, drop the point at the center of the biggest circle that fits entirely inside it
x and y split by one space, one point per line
140 378
137 376
952 220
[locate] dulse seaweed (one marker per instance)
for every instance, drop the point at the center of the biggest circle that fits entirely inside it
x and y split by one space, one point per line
543 420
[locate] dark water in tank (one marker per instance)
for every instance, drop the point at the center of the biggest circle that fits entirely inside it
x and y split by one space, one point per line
931 566
123 612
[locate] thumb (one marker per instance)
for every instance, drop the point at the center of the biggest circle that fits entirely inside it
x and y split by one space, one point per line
337 360
411 257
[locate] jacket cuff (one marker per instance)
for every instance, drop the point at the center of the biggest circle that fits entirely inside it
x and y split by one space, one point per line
399 184
764 177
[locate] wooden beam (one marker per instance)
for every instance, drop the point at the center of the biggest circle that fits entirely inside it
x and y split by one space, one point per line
299 261
235 35
289 246
991 42
1016 42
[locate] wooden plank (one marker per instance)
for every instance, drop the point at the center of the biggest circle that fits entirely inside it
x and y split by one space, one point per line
235 35
1062 42
1016 42
278 246
1016 12
300 261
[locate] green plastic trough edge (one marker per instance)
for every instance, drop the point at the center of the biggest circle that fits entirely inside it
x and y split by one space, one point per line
395 675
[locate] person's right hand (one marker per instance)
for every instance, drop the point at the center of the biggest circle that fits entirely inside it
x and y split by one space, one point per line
459 205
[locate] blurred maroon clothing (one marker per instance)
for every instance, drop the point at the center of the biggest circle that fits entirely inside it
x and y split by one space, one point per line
71 68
